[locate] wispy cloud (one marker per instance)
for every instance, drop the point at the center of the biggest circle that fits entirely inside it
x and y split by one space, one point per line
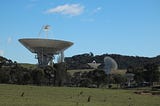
9 40
1 52
91 15
67 9
97 10
32 4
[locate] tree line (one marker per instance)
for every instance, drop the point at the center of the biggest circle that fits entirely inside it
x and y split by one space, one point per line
80 61
14 73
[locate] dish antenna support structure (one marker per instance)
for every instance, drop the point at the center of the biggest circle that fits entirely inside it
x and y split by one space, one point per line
46 29
46 48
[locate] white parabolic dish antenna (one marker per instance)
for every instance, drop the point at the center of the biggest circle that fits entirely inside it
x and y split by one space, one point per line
109 64
45 48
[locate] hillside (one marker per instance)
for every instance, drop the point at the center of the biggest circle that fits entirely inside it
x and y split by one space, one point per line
6 62
14 73
80 61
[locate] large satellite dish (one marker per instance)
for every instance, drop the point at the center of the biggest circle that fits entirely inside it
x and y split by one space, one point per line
109 65
46 48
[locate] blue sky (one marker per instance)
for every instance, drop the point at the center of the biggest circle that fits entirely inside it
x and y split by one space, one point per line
127 27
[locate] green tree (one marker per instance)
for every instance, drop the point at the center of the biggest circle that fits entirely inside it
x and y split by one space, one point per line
4 75
152 73
50 74
119 79
98 77
37 76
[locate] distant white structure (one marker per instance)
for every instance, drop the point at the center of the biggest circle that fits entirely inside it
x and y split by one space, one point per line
94 64
130 78
109 65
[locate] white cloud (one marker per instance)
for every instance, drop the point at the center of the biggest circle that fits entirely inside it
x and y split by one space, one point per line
9 40
67 9
97 10
30 6
1 52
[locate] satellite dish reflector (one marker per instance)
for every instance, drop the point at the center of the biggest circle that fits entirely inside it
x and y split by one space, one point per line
109 65
46 49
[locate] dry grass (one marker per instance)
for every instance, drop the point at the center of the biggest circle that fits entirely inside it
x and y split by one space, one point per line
119 71
79 70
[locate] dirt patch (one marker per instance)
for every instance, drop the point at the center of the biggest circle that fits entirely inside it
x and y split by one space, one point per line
143 93
147 93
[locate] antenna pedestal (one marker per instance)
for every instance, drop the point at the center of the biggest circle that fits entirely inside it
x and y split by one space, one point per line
44 59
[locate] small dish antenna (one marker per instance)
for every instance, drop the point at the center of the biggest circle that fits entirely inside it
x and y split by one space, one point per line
109 65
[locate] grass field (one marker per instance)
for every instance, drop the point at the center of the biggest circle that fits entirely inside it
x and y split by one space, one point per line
122 72
28 66
12 95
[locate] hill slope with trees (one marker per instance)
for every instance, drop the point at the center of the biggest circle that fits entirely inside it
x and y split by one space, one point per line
145 70
80 61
